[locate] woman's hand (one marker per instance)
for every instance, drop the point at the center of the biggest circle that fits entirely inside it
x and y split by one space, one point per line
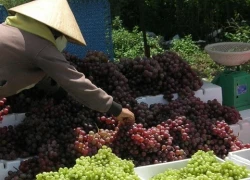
126 117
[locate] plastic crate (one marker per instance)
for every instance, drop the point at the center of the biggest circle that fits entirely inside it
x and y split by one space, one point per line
12 119
3 13
94 20
6 166
245 114
244 134
241 157
237 130
147 172
207 92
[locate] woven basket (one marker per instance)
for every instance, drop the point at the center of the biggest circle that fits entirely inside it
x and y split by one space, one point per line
229 53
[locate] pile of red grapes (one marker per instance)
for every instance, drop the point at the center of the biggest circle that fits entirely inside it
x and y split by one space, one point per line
4 109
179 77
57 131
165 73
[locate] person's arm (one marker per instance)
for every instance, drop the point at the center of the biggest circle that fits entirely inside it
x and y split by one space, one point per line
52 62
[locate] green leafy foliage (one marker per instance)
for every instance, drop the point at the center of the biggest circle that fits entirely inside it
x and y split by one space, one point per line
129 44
196 57
238 30
12 3
169 17
185 46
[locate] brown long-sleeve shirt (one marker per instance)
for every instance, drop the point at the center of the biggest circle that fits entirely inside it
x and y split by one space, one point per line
26 58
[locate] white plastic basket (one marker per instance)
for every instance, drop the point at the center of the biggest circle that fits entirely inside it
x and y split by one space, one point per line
6 166
229 53
241 157
147 172
12 119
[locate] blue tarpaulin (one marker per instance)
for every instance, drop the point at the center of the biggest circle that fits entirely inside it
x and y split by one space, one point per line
3 13
93 17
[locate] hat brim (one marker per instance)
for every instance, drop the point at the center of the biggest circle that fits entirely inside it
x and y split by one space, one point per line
55 14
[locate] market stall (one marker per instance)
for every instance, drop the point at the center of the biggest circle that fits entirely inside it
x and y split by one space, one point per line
183 129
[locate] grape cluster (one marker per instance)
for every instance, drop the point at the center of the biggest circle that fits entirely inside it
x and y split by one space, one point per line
23 101
50 120
146 115
49 156
97 56
205 165
155 144
60 130
107 76
4 109
192 126
193 108
216 110
165 73
88 144
179 78
9 149
103 165
145 75
106 122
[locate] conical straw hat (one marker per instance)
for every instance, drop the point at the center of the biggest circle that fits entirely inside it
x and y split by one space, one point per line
55 14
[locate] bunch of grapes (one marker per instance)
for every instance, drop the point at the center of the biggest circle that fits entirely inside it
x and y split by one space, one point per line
191 125
51 120
89 144
155 145
103 165
4 109
204 134
193 108
205 165
47 160
49 157
165 73
106 122
144 74
145 115
97 56
216 110
131 142
23 101
59 131
9 149
107 76
179 77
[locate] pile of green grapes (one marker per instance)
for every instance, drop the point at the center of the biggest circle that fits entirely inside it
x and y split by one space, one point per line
103 166
205 166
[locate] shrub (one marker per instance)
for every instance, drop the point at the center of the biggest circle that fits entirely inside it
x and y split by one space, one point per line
12 3
238 30
129 44
196 57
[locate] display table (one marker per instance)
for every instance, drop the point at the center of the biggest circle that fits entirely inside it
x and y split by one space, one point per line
207 92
